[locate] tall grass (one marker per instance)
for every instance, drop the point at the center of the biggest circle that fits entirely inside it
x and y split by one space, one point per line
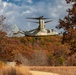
17 70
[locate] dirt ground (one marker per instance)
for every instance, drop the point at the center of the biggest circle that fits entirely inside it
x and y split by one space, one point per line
42 73
62 70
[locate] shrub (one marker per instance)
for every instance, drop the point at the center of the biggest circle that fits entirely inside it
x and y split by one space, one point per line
51 40
62 60
52 60
58 44
52 56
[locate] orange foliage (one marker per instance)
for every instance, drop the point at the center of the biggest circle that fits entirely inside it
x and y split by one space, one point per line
69 26
50 47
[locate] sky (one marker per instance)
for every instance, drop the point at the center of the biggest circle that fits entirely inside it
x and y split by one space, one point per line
16 12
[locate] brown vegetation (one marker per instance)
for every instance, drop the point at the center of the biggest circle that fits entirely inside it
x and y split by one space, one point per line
31 51
18 70
69 26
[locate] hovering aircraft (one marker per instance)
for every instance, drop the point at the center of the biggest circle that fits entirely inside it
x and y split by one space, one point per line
41 30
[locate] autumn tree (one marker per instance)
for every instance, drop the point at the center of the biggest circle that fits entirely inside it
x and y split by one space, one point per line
69 26
2 34
2 25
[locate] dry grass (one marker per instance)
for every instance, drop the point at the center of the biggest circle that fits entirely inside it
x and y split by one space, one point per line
17 70
1 64
63 70
22 70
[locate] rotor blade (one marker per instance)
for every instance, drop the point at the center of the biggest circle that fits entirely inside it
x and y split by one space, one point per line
33 18
46 18
34 22
36 18
48 21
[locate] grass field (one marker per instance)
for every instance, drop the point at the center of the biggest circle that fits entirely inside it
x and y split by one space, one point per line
25 70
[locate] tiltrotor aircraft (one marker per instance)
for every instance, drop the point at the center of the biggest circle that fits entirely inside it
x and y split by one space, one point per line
41 30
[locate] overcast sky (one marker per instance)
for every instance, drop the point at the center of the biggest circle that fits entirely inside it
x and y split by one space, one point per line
17 11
